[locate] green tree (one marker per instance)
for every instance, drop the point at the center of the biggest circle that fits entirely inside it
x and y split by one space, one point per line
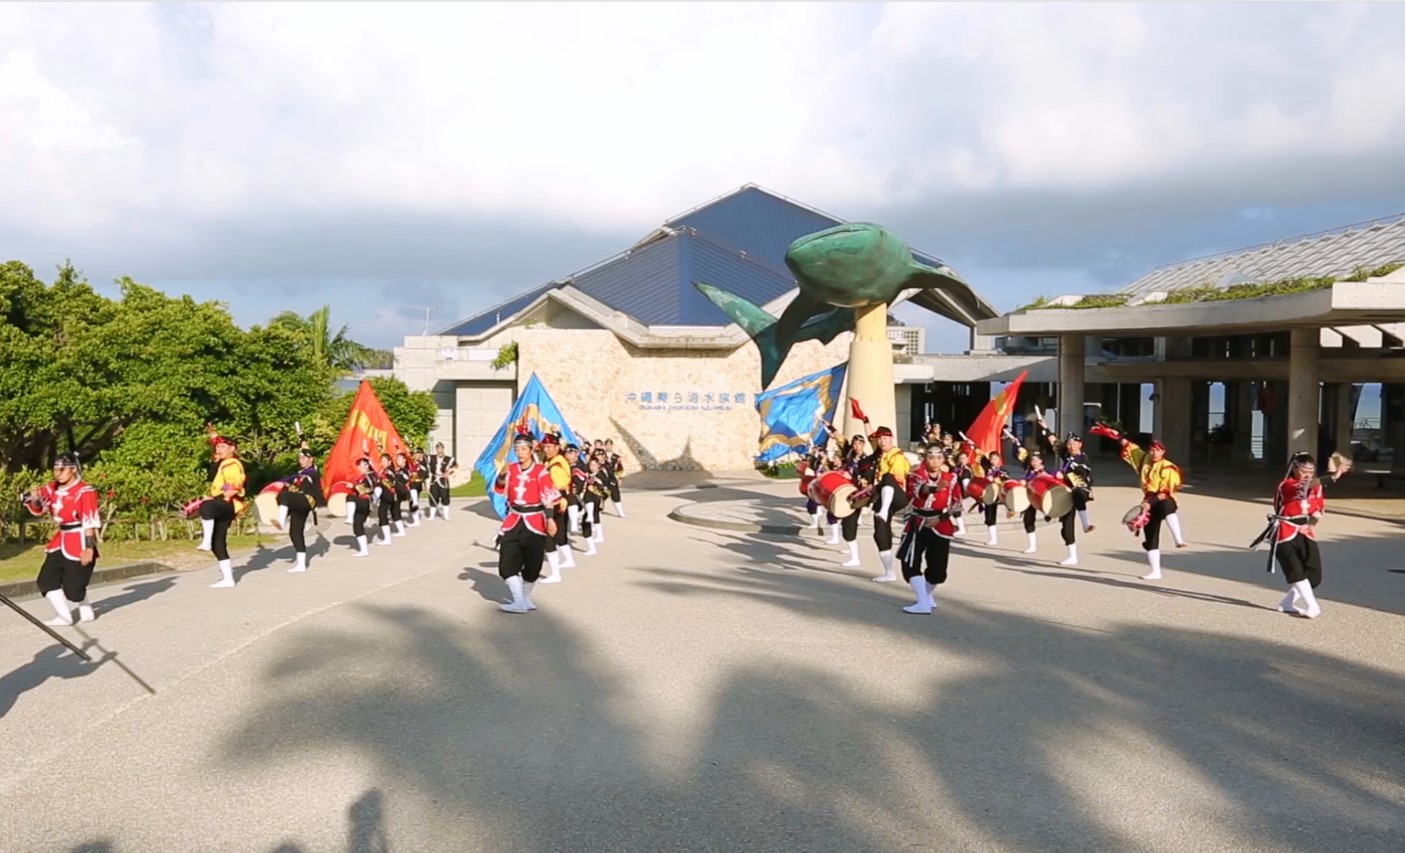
335 350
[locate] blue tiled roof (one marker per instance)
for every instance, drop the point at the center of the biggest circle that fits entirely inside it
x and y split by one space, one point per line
653 282
736 242
485 320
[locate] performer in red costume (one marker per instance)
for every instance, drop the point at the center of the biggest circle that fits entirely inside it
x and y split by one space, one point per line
73 551
1298 503
933 492
532 501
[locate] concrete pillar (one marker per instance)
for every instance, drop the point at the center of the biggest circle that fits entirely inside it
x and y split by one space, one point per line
1393 421
1172 418
902 426
1073 356
1343 416
1304 391
1130 409
1239 414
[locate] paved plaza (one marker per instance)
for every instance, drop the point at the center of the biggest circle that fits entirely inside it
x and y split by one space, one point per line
703 688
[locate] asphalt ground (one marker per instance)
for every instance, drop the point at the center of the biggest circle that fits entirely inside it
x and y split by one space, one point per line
699 689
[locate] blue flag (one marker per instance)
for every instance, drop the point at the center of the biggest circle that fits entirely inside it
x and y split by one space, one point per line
536 413
793 416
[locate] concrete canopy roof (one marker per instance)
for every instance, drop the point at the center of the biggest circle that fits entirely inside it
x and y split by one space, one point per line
1342 304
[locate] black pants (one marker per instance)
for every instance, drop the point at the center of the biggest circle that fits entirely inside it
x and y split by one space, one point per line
1066 529
1152 531
883 527
363 512
614 487
299 507
1080 499
59 572
389 509
590 510
849 525
438 493
221 512
521 553
931 549
412 494
1300 560
563 529
990 511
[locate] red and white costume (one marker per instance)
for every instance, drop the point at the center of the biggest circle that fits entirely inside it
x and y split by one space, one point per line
529 491
1297 500
940 496
74 508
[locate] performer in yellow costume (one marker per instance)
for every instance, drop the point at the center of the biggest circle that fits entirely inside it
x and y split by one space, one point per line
891 478
560 470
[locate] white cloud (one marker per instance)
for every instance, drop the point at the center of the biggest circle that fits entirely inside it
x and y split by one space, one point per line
614 114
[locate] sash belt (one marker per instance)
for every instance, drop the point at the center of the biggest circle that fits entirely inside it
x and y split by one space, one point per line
527 508
78 525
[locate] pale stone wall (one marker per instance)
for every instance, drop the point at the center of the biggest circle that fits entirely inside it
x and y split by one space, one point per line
592 373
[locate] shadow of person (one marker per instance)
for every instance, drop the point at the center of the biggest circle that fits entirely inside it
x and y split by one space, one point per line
262 558
486 582
52 662
367 832
131 595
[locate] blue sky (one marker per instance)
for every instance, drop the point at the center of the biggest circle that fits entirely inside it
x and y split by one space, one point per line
387 158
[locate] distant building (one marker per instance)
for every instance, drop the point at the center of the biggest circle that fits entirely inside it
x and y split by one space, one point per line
630 350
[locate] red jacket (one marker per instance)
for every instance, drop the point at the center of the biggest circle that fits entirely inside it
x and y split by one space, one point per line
926 504
530 493
1298 499
74 508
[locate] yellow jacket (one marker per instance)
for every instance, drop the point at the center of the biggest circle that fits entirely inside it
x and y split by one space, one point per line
895 462
229 483
560 471
1159 479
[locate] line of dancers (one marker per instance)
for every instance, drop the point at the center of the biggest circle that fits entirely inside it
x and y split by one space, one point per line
841 482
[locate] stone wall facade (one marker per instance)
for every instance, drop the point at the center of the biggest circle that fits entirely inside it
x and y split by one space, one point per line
607 388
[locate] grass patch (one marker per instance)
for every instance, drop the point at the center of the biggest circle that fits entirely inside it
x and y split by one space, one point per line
21 562
476 487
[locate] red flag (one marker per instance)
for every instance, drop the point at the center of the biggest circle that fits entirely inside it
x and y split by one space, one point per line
986 428
858 413
367 432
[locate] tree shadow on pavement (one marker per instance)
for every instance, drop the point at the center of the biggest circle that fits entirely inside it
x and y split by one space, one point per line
1028 734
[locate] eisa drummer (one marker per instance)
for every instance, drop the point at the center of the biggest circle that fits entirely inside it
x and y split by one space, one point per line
934 494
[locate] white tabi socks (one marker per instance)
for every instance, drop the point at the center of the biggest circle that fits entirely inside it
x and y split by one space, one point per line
415 513
351 512
994 537
85 610
385 536
226 580
519 596
555 563
960 525
299 562
887 493
527 595
589 547
1154 558
361 546
207 533
834 534
1174 522
575 513
1289 604
619 508
817 519
1304 589
399 527
1033 543
444 510
282 516
1083 519
924 604
1072 559
598 532
886 557
565 558
853 555
64 616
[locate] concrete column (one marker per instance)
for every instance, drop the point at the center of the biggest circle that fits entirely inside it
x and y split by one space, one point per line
1239 413
1304 391
1073 356
902 427
1343 416
1172 418
1393 421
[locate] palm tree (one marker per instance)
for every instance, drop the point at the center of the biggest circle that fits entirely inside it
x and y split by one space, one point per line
336 350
